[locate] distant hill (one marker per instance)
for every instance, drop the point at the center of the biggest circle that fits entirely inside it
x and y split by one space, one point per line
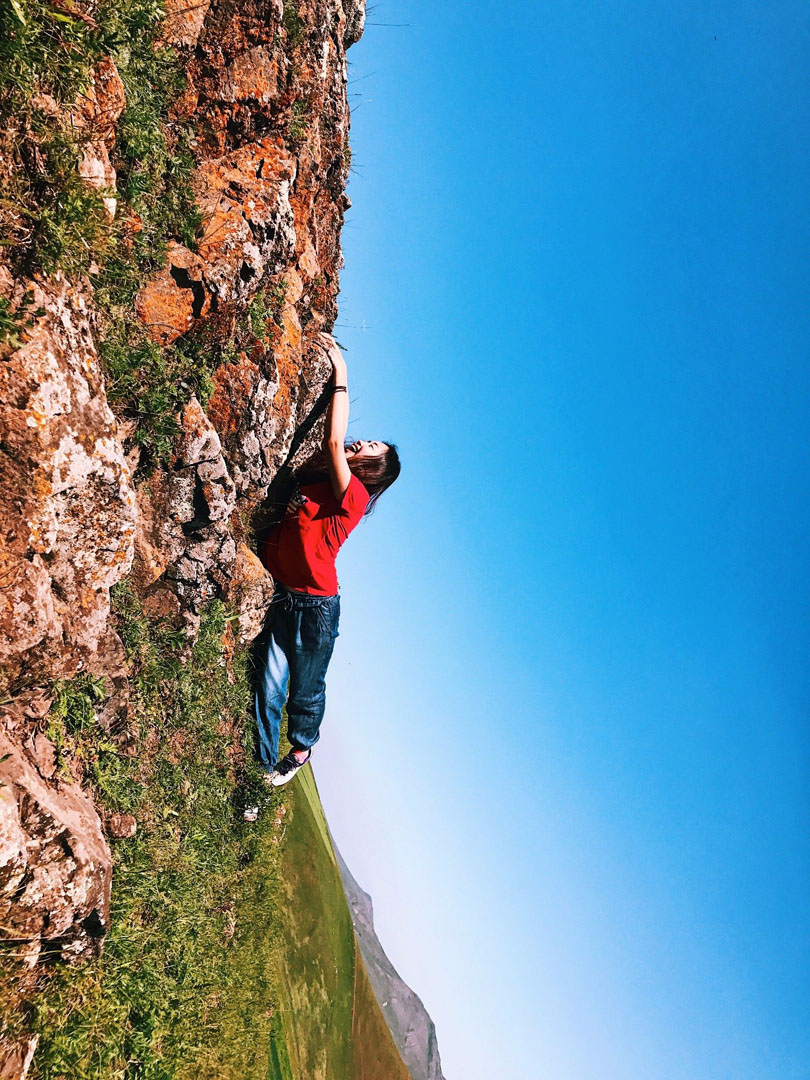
332 1027
413 1031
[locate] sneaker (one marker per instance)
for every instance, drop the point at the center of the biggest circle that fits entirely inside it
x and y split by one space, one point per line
286 769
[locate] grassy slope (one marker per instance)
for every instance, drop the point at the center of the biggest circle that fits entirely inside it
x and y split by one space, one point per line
187 984
231 955
334 1027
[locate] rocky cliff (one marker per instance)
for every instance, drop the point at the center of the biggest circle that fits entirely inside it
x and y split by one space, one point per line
173 198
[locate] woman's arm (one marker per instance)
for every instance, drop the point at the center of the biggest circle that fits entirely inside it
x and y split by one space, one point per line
337 420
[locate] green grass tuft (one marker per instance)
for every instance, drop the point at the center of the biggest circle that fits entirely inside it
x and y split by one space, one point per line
266 307
14 324
298 123
293 24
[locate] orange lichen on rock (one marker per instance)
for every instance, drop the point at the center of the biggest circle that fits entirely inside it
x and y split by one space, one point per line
170 303
184 21
95 116
247 235
233 385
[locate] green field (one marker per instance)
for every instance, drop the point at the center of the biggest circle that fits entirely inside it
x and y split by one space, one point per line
334 1028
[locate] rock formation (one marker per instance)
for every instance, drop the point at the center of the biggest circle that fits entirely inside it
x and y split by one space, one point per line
265 99
54 861
68 498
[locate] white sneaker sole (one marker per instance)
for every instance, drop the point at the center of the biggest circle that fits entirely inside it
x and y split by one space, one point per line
277 780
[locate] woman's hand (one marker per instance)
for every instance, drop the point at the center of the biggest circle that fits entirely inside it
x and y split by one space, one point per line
330 346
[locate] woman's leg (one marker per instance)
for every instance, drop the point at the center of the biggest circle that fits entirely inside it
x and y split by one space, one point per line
309 658
270 692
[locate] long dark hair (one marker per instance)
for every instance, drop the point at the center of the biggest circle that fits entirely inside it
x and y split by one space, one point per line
375 474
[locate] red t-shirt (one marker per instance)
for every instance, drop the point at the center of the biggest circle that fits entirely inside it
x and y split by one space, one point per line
301 551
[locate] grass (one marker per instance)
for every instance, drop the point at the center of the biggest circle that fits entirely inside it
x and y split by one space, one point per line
188 982
48 49
319 965
265 308
333 1026
280 1068
152 384
293 24
49 217
193 984
298 123
154 162
15 324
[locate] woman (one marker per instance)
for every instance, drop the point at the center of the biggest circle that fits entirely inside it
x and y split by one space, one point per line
335 490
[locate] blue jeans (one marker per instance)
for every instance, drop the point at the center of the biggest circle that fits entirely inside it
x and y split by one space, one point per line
295 646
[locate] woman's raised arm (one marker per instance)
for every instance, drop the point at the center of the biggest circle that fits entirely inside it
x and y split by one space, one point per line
337 419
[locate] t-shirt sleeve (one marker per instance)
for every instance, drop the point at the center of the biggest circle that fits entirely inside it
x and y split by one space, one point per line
355 500
349 512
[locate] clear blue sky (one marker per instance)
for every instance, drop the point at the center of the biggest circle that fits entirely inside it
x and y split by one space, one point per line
567 727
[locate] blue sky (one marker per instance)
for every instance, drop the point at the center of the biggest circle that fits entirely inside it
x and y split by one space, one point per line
566 736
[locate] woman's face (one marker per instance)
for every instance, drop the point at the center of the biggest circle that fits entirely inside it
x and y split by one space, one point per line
362 450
